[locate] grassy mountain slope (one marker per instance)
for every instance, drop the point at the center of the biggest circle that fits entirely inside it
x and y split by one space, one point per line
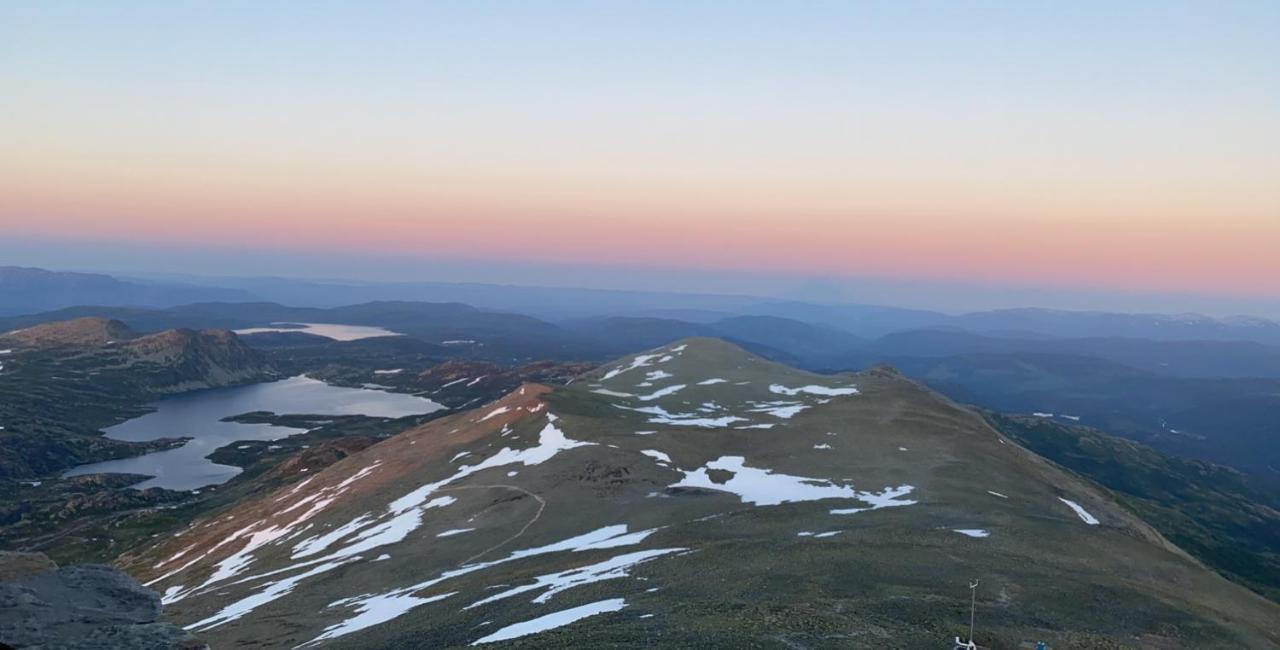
1228 421
1213 512
696 496
813 346
1170 358
500 336
780 339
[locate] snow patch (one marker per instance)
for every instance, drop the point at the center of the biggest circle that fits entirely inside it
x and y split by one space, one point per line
784 410
705 423
611 393
554 583
886 498
661 393
313 545
553 620
683 419
375 610
495 412
640 361
551 441
654 453
764 487
454 531
397 602
813 389
1080 512
271 592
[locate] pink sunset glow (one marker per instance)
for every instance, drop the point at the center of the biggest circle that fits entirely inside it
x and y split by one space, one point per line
811 153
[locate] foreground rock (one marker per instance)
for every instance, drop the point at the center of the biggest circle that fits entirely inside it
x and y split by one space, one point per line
80 607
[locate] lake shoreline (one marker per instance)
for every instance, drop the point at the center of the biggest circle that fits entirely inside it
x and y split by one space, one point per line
211 419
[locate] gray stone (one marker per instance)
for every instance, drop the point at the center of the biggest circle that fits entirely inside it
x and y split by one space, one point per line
84 607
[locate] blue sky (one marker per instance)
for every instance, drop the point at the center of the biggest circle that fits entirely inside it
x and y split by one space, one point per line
1092 148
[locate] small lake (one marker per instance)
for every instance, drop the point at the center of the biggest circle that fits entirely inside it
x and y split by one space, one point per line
328 330
198 415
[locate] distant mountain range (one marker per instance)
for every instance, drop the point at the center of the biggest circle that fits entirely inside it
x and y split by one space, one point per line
28 291
1184 358
1193 386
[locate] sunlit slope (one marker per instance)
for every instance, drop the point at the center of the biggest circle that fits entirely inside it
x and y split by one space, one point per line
695 495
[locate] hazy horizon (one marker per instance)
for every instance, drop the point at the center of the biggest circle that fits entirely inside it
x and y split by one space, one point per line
209 265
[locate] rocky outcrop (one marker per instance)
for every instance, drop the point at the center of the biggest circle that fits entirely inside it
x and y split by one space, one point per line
15 566
80 332
183 359
79 608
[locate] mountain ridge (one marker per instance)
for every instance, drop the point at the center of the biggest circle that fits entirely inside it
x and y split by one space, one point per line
698 474
557 304
87 331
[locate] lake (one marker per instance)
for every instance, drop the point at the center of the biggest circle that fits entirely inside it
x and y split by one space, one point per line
333 331
198 415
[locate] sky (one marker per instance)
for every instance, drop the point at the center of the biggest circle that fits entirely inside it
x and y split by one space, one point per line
1040 149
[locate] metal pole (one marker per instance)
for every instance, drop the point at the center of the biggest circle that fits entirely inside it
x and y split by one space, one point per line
973 601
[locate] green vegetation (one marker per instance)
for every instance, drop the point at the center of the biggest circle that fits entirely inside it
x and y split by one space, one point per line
731 571
1212 512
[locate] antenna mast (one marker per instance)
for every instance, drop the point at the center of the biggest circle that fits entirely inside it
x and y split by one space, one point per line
973 601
